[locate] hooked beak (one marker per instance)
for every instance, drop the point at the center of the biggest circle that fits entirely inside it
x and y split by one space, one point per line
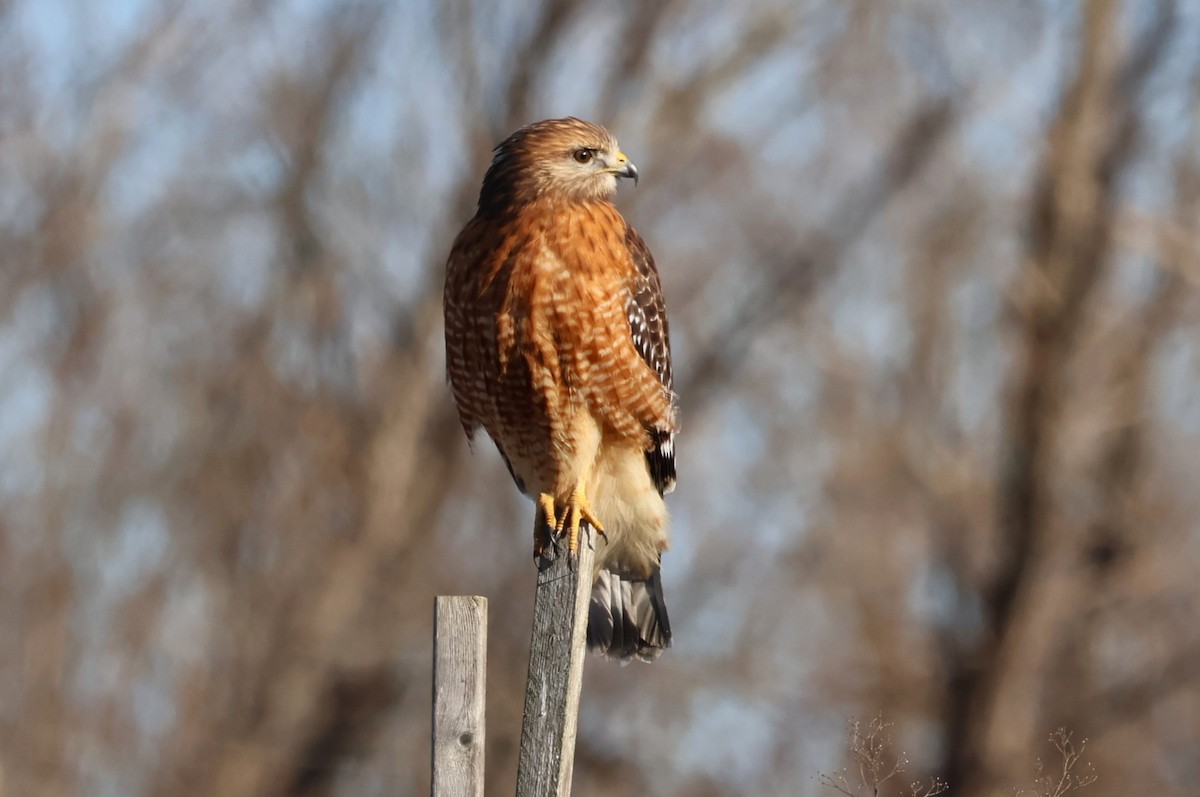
625 168
629 171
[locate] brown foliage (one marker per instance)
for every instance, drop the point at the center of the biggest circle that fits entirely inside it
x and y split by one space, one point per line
932 271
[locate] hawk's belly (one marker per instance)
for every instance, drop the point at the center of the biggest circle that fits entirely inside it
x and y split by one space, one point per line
555 443
546 432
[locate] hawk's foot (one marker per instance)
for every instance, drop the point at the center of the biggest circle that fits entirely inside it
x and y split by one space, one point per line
545 525
578 510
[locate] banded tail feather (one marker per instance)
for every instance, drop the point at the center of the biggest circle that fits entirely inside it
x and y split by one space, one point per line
627 619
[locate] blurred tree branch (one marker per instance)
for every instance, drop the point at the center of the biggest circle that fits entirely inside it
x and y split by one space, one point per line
791 278
1070 246
231 476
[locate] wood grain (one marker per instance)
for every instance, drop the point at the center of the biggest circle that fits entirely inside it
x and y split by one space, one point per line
556 656
459 683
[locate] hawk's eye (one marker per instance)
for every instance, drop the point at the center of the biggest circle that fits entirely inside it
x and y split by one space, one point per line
583 155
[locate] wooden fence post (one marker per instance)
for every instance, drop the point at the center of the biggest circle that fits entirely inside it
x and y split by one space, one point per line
556 653
459 679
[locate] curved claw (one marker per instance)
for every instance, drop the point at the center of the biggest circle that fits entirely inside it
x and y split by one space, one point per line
574 514
566 523
545 527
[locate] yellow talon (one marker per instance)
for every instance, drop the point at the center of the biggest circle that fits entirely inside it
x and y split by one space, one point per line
577 510
546 526
552 524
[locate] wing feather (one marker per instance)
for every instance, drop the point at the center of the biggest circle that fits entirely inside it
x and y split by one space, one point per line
647 315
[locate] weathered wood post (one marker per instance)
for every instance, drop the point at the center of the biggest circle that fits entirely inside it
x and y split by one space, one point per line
459 681
556 653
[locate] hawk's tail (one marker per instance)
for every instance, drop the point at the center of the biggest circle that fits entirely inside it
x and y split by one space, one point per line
628 618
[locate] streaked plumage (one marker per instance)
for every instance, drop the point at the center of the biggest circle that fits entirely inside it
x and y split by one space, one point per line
557 345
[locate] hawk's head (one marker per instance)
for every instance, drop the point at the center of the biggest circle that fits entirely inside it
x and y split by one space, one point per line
566 159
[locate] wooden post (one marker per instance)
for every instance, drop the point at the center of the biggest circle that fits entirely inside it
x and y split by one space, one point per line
556 652
459 677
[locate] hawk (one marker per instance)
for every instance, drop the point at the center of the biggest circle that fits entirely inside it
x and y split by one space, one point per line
557 345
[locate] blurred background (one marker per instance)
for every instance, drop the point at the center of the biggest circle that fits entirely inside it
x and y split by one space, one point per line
932 268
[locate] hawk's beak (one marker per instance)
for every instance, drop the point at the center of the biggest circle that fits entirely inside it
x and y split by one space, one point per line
629 171
625 168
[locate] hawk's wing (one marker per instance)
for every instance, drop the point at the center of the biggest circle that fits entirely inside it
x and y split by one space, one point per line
647 316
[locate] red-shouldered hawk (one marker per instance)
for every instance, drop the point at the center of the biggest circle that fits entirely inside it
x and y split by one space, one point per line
557 345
